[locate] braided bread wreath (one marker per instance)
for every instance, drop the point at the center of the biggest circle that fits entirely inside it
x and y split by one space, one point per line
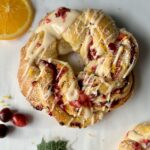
105 83
137 139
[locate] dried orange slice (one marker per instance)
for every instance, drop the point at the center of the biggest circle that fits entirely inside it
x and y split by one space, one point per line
15 18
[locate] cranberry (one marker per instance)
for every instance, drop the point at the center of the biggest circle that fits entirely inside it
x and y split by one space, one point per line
75 104
80 83
5 115
47 20
39 107
38 44
112 47
75 124
19 120
91 51
3 130
62 12
84 99
137 146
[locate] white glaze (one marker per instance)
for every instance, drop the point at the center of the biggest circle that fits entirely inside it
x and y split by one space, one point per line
72 92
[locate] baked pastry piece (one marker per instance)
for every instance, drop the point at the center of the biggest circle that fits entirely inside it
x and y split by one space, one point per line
137 139
106 81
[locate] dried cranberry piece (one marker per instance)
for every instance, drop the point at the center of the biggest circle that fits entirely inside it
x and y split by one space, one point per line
38 44
118 70
112 47
84 99
114 103
75 124
34 83
62 12
47 20
80 83
39 107
94 68
145 141
91 51
50 113
137 146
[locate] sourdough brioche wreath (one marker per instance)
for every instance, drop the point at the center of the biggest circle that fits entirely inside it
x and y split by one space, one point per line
106 82
137 139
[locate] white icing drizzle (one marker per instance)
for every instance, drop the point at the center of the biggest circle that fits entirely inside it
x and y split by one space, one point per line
129 69
53 106
69 122
119 52
58 25
79 112
72 92
92 119
47 94
59 72
31 47
29 91
104 66
87 113
133 135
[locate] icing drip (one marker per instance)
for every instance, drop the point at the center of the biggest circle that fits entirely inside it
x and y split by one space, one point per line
57 25
72 93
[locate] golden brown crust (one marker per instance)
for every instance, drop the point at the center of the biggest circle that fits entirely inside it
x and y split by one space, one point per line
137 139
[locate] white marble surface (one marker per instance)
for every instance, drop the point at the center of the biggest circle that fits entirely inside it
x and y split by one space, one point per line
106 135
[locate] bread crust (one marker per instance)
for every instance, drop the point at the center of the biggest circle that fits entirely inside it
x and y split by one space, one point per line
50 84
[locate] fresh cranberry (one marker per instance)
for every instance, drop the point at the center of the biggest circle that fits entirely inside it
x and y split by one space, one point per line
62 12
19 120
5 115
112 47
3 130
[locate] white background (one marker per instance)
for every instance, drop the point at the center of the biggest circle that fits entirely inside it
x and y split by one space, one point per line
106 135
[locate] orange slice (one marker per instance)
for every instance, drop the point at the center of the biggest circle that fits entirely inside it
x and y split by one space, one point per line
15 18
